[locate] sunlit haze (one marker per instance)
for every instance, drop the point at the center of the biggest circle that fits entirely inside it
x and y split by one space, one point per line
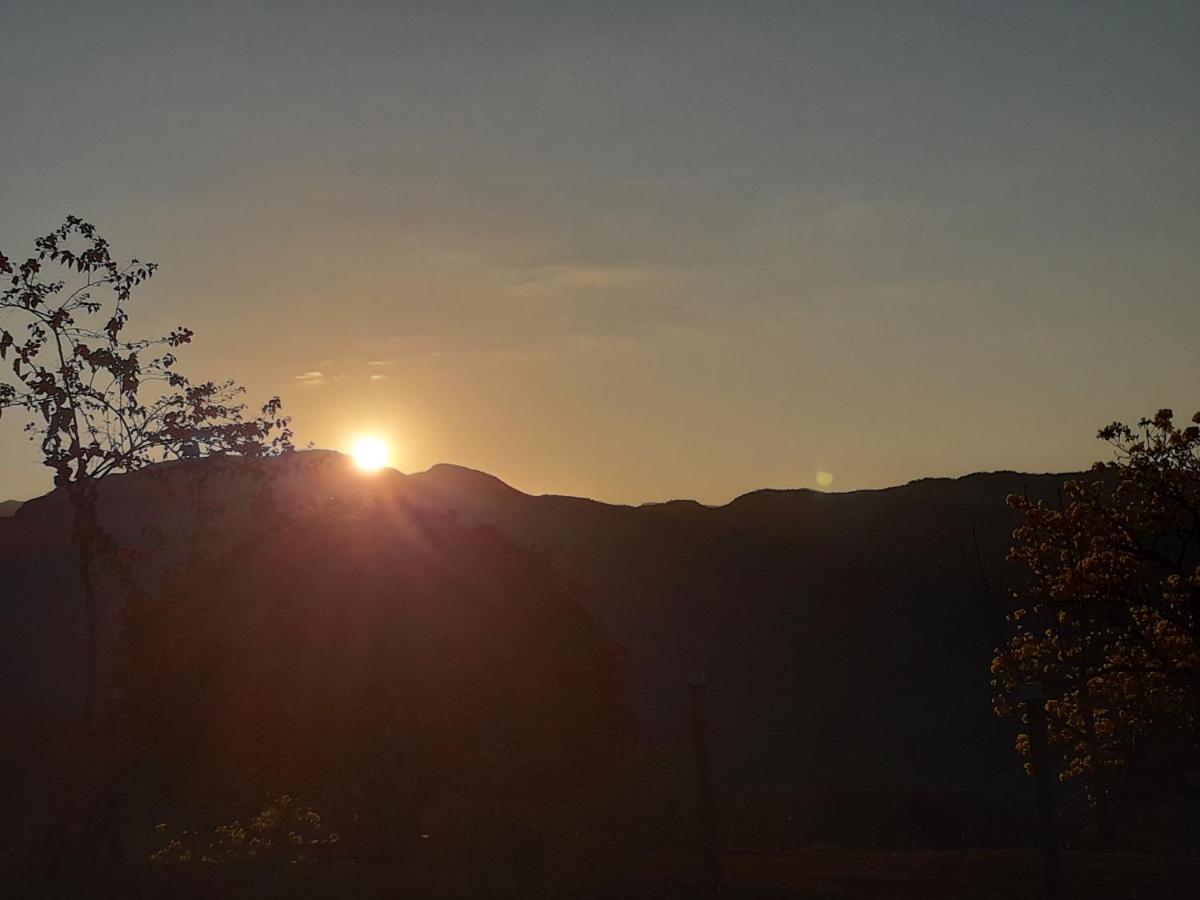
636 251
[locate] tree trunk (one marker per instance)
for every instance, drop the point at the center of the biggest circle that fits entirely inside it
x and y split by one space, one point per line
83 499
1043 783
89 608
1105 818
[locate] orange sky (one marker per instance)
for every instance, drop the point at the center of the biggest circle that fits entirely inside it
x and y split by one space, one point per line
639 255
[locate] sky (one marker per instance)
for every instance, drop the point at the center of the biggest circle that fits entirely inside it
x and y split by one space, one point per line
639 251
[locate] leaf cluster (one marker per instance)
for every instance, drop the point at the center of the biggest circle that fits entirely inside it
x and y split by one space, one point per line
98 400
1107 619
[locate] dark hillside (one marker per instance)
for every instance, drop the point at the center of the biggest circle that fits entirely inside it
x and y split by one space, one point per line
845 637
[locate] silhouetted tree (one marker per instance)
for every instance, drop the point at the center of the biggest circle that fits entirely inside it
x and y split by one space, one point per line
1108 619
401 672
101 402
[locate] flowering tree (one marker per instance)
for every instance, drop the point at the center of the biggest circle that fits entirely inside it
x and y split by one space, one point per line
100 402
1107 622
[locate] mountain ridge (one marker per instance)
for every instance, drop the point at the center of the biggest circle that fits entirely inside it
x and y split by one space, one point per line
444 470
844 636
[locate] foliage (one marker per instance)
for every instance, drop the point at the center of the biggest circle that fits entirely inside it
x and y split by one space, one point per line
100 401
284 830
1107 621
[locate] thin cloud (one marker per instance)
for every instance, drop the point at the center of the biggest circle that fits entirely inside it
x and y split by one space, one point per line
578 278
310 378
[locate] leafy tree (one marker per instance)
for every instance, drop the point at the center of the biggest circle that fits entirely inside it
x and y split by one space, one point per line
1107 621
100 402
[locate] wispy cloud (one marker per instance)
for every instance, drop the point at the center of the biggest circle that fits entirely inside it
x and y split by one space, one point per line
577 278
309 378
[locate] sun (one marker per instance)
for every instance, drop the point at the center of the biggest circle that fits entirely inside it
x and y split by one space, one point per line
370 453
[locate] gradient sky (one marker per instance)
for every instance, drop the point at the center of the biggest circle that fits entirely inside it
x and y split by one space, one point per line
639 251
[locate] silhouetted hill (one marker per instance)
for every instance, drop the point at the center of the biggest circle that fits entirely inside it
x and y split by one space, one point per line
8 507
845 637
297 657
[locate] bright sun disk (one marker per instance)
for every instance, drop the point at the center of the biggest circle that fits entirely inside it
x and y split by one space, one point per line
370 453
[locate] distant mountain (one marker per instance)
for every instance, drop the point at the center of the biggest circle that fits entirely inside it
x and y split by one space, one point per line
845 637
8 507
